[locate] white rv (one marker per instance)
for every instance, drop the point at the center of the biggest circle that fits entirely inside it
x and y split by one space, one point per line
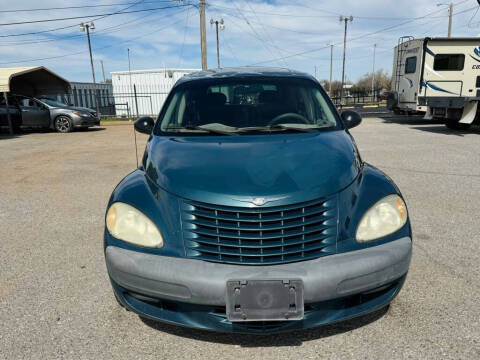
438 76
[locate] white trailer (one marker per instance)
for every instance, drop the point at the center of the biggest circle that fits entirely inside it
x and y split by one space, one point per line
142 92
438 76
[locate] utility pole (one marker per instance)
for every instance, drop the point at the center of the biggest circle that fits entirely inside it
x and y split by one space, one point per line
315 71
346 19
89 27
450 17
83 28
330 90
222 27
130 76
373 70
203 35
103 71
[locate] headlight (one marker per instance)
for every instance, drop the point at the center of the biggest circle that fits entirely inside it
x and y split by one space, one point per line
383 218
81 114
129 224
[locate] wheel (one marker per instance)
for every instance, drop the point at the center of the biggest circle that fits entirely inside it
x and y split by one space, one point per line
63 124
455 125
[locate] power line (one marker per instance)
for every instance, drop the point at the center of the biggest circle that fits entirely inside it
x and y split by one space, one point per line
254 31
353 39
96 49
331 14
184 37
89 16
82 6
64 27
269 38
107 30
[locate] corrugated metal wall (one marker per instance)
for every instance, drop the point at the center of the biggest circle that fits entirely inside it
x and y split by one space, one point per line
83 95
152 88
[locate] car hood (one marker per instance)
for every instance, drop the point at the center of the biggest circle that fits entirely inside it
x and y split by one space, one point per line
82 109
282 168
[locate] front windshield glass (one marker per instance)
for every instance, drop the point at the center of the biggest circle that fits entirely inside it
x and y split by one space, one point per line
52 102
240 106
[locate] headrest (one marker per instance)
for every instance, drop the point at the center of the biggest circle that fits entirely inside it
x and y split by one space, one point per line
215 99
268 96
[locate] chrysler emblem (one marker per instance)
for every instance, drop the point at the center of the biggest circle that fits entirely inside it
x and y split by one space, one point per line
260 201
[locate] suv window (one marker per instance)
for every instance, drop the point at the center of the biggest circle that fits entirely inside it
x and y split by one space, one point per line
411 65
449 62
238 105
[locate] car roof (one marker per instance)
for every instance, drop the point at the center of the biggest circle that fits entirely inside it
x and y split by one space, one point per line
242 72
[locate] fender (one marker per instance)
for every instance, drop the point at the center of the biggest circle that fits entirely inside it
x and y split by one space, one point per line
370 186
161 207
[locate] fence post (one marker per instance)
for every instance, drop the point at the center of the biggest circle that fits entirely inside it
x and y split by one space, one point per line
10 124
136 101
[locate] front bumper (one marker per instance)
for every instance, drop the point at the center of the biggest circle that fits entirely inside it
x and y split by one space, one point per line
330 283
85 121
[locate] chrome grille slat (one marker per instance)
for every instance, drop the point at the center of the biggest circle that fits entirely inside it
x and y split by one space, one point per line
252 252
328 240
260 227
261 235
254 218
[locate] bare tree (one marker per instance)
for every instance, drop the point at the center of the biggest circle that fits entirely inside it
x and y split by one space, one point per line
382 81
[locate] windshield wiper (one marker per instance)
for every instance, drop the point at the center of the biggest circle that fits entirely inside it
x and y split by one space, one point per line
202 128
277 127
294 128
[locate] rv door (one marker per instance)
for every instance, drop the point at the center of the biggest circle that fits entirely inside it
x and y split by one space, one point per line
408 85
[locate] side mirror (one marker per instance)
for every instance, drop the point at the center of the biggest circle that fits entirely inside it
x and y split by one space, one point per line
351 118
144 125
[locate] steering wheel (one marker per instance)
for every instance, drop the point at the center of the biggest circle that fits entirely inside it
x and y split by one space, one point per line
278 119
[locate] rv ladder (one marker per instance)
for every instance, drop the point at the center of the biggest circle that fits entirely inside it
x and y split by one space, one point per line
399 62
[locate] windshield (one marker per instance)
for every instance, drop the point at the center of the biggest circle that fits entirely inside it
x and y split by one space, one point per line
240 106
52 102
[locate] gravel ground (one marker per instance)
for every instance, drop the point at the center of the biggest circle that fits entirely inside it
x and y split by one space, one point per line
56 300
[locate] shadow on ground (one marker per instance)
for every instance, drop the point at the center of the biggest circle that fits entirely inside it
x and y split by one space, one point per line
432 126
4 134
295 338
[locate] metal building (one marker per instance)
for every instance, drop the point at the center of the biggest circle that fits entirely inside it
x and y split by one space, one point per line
82 94
145 89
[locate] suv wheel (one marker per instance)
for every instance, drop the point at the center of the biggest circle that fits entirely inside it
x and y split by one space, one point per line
63 124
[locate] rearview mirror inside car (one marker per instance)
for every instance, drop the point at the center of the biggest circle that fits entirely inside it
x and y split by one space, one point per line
144 125
351 118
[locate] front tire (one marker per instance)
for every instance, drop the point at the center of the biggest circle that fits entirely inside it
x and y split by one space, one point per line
455 125
63 124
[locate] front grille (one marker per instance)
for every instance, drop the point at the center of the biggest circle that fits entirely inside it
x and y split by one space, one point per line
258 236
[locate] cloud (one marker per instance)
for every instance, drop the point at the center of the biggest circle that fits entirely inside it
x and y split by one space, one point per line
256 31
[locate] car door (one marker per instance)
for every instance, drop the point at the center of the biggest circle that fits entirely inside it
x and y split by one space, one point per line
34 114
12 109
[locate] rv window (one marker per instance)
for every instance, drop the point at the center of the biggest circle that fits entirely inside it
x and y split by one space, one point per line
411 65
449 62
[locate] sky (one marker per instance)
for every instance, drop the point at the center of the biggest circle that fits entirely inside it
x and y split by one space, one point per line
288 33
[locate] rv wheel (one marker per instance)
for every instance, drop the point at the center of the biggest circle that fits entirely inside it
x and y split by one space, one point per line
455 125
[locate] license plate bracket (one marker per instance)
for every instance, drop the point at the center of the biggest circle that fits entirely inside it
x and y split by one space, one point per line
264 300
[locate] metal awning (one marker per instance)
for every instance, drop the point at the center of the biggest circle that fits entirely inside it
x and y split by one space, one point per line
32 81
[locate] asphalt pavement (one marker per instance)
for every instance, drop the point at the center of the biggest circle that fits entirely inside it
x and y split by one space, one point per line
55 296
